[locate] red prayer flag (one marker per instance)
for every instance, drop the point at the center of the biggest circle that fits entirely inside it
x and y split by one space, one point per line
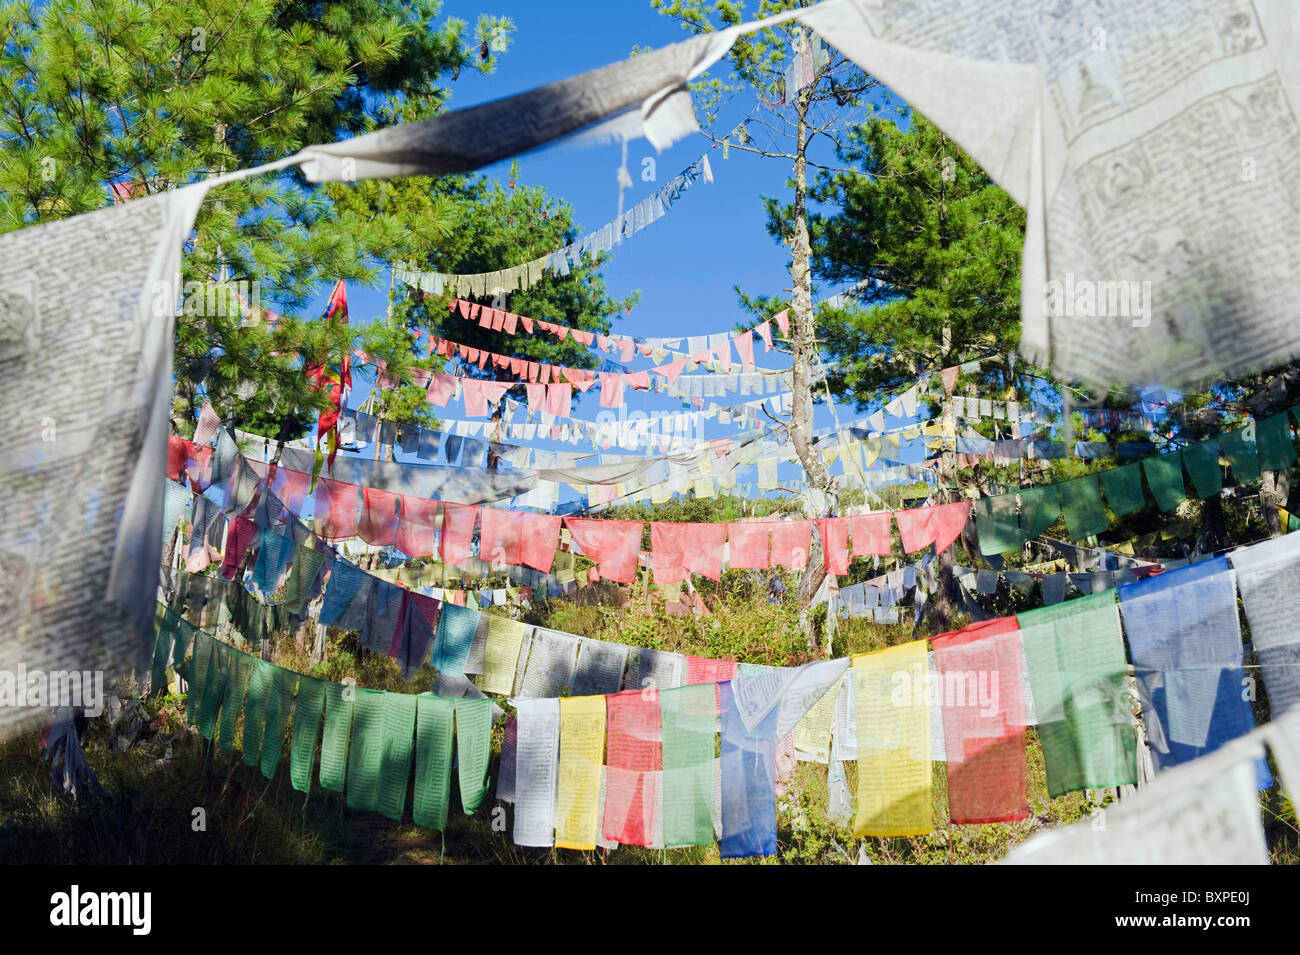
378 523
239 535
835 543
499 536
613 545
457 532
938 525
336 510
749 545
633 761
979 671
540 535
790 542
871 534
417 528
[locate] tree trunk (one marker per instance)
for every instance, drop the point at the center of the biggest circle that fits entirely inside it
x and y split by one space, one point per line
1274 489
942 604
821 498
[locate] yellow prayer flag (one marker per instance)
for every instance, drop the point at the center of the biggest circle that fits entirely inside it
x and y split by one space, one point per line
812 734
582 752
704 486
893 714
505 637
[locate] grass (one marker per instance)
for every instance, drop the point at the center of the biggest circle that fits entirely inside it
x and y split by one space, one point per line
171 797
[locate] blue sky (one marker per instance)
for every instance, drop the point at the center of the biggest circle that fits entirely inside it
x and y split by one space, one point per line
686 265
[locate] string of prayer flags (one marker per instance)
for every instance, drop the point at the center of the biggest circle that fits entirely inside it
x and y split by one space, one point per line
979 670
582 745
1185 643
688 717
893 742
1078 676
1268 577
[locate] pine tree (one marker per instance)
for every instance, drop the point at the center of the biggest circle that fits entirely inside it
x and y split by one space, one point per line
142 97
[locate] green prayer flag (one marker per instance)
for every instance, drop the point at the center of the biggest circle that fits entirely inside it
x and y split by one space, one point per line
997 524
306 565
162 650
214 688
1202 463
433 716
306 731
283 689
395 760
366 750
1081 505
1040 507
1165 478
334 744
1123 487
183 639
232 705
196 673
473 747
260 685
689 720
1273 437
1077 673
1241 455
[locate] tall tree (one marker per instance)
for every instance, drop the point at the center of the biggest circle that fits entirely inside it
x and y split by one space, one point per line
147 96
932 248
806 94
